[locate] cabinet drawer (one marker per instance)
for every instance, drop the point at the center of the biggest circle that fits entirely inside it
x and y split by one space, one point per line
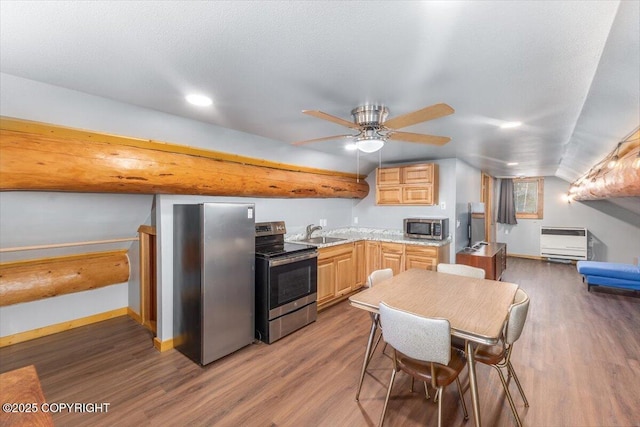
430 251
333 251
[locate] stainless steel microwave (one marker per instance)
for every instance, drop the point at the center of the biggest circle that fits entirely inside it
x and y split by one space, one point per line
426 228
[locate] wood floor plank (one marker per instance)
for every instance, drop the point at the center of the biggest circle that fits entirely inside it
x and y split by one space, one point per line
577 359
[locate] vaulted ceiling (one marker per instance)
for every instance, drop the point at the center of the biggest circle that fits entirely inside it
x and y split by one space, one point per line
568 70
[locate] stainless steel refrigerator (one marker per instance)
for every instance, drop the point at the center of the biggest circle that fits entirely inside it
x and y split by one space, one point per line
213 279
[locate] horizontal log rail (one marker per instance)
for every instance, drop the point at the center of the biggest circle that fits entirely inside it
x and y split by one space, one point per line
43 157
66 245
31 280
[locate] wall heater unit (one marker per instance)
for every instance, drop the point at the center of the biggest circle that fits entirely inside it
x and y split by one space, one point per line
568 243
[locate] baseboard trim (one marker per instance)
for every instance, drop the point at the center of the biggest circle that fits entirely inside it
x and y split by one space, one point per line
162 345
60 327
135 316
539 258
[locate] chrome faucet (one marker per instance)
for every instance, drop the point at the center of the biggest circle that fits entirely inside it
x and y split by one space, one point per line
311 229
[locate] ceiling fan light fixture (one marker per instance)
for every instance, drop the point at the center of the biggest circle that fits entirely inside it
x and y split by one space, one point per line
370 144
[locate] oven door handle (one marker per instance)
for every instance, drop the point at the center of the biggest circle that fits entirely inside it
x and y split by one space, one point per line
291 259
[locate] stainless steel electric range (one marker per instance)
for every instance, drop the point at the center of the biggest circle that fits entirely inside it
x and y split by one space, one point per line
286 283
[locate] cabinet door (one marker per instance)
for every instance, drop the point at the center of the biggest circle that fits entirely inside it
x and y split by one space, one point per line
392 256
326 280
372 255
418 174
388 176
345 273
423 257
388 195
360 264
417 194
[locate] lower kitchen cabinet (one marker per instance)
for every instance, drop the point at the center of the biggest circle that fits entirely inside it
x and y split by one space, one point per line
425 257
360 264
371 256
392 256
336 272
326 281
343 269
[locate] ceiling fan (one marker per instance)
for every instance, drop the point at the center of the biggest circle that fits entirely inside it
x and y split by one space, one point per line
373 129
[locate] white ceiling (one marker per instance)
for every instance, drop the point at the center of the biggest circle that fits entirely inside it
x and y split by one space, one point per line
569 70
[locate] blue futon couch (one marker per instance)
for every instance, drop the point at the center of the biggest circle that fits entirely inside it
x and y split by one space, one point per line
610 274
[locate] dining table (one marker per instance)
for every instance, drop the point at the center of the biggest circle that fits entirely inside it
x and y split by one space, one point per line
476 309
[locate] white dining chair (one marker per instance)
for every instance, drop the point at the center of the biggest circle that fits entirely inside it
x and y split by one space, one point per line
374 278
461 270
499 355
422 349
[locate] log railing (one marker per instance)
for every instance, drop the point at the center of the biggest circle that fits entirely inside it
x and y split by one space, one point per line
23 281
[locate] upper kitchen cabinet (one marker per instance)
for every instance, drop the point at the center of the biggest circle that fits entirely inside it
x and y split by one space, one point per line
407 185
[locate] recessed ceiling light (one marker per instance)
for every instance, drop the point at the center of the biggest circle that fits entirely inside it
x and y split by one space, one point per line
351 147
510 125
199 100
512 164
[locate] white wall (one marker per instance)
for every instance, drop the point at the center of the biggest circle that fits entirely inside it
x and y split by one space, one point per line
614 232
297 214
50 311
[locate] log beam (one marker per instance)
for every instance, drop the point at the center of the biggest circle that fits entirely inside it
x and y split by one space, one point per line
49 158
621 181
31 280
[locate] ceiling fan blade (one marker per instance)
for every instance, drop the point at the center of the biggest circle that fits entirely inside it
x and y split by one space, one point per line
326 138
334 119
428 113
419 138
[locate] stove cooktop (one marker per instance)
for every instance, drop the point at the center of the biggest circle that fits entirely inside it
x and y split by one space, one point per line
283 249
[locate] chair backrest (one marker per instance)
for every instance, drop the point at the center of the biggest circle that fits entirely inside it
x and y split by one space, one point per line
418 337
378 276
461 270
517 316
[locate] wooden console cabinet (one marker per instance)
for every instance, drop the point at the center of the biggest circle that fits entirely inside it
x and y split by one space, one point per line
492 258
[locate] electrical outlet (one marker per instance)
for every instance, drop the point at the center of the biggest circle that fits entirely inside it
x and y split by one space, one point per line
443 205
355 219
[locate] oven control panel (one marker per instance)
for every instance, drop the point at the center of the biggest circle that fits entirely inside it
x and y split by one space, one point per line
270 228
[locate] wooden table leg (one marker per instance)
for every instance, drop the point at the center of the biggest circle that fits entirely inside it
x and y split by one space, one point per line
365 362
473 385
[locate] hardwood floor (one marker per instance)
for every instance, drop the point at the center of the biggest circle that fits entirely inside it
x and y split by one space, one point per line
578 360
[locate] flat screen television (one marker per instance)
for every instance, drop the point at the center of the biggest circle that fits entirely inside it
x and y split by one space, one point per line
476 230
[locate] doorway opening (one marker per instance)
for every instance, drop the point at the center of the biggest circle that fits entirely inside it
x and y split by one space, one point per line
148 283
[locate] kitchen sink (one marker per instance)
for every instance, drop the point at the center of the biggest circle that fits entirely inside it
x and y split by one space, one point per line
322 239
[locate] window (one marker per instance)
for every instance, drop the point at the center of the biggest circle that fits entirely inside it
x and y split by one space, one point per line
529 196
